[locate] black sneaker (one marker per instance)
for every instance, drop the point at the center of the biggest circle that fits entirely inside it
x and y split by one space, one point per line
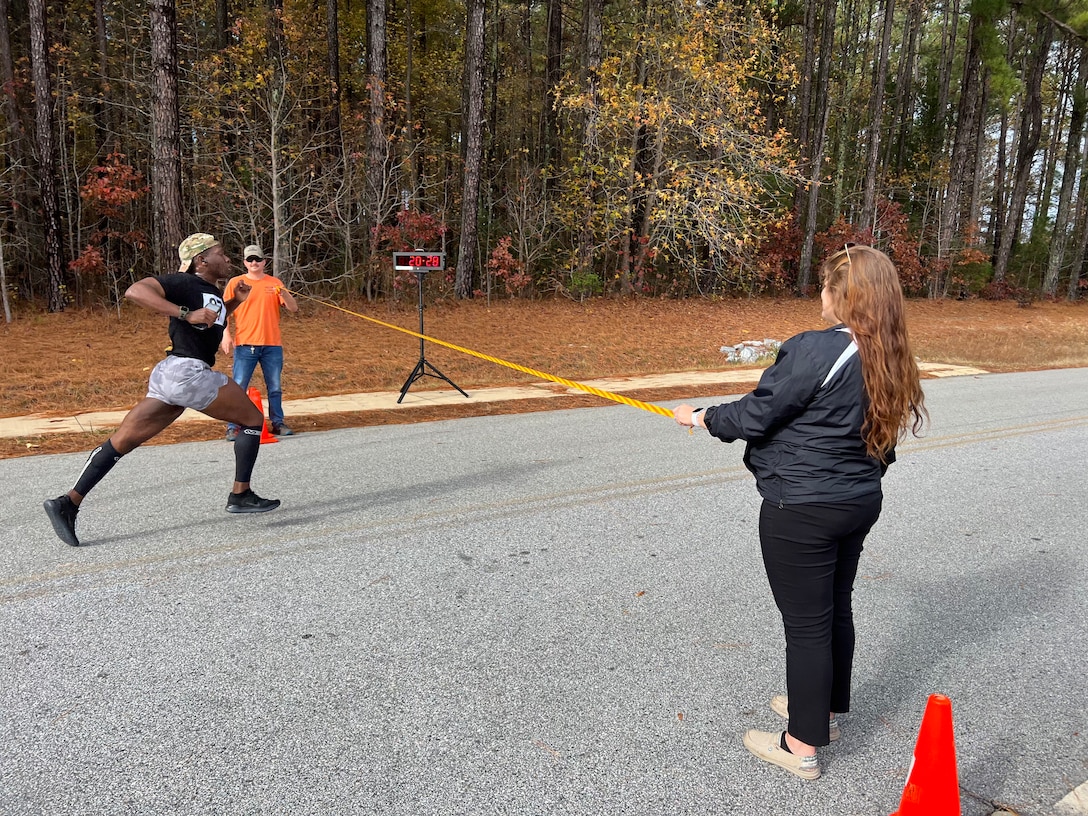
62 512
279 429
250 502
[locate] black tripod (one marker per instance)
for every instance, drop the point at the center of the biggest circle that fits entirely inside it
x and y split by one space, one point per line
421 367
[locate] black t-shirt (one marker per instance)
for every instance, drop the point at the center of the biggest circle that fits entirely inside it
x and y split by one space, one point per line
195 293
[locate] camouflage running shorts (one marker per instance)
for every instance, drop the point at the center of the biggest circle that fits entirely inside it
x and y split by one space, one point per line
185 381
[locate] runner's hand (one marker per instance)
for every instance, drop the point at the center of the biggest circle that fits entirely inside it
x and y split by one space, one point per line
241 291
202 318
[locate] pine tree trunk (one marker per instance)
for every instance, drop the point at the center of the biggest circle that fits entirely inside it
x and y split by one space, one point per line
1067 74
968 113
638 178
974 206
876 119
102 118
166 137
552 75
12 114
1070 169
592 54
332 45
1080 230
821 105
1031 126
377 144
4 282
47 170
904 85
472 130
408 151
1001 170
19 151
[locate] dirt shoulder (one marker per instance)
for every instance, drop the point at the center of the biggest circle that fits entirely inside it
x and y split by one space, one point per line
64 364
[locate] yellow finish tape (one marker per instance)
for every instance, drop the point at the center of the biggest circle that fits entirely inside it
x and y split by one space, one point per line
589 389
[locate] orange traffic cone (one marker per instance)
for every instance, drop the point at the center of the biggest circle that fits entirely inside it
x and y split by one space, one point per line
932 783
255 398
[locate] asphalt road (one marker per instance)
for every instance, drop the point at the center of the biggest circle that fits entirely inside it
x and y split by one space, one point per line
550 613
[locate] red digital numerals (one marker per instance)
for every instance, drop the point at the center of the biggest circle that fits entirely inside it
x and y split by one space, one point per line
417 260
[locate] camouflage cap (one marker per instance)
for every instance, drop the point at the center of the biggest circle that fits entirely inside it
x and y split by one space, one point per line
192 246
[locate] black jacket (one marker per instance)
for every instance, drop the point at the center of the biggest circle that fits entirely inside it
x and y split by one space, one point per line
804 435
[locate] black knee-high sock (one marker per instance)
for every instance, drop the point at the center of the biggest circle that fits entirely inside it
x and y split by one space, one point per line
99 463
246 447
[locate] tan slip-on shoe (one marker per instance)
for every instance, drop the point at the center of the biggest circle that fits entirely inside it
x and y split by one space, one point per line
780 705
767 747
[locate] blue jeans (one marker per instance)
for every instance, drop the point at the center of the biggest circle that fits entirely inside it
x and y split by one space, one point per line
271 360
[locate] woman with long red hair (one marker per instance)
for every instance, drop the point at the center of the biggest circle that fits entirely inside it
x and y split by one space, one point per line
821 429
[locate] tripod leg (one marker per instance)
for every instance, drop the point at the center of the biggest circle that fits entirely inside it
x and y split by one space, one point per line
417 372
442 376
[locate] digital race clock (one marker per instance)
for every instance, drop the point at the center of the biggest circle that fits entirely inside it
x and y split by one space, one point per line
419 261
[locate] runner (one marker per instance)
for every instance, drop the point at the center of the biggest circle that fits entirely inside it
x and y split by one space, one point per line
185 379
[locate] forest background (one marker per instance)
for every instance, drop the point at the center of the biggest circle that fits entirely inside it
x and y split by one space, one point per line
653 147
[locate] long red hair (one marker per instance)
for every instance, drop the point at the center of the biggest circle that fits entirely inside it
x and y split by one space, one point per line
866 296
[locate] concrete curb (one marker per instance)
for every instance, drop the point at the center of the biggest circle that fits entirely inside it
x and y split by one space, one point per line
1073 804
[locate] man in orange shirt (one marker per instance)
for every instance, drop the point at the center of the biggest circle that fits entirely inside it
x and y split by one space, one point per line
256 336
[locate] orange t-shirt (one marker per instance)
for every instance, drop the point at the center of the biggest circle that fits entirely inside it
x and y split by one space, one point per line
257 319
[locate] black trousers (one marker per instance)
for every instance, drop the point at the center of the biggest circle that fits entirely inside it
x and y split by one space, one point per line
811 554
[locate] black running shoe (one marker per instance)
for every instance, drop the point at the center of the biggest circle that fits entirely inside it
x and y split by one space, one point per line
250 502
62 512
